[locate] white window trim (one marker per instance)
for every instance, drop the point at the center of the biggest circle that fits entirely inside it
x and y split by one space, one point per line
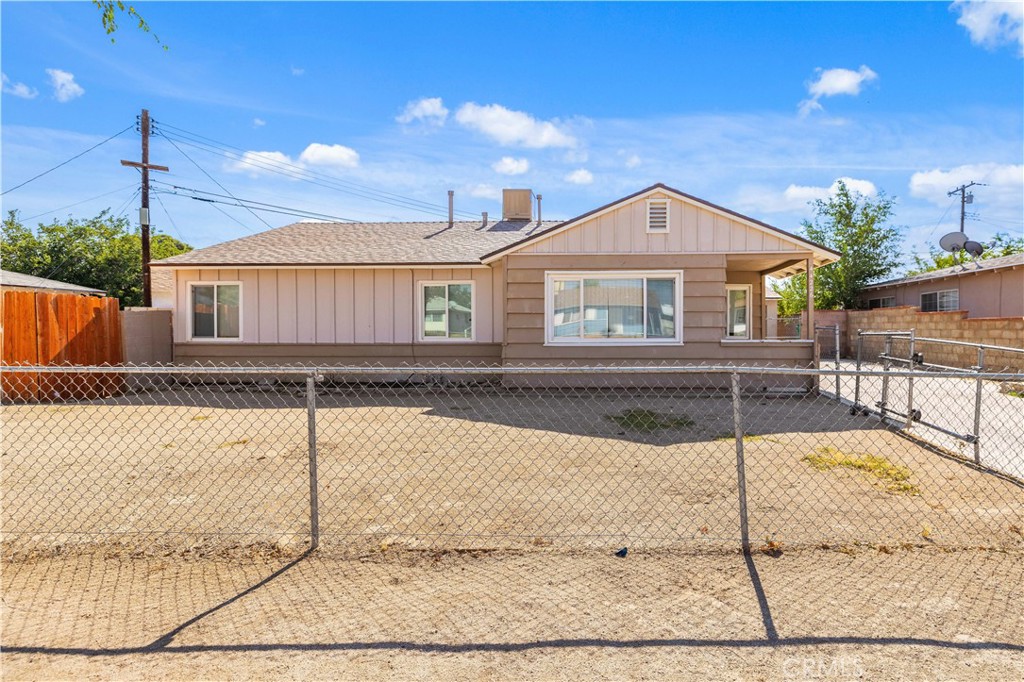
190 318
938 300
421 305
668 214
750 311
549 301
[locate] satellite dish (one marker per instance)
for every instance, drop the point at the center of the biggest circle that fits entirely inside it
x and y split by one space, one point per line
974 248
953 242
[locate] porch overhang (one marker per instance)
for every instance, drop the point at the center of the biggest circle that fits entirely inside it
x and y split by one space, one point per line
778 265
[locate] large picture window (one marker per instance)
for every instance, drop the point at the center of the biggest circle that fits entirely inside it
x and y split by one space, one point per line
446 311
216 310
940 301
613 307
738 322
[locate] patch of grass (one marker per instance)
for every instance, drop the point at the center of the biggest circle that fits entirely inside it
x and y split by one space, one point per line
639 419
1016 394
230 443
200 417
750 438
893 477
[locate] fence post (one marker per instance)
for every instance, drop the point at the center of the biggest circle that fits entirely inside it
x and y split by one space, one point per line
314 502
856 381
977 406
741 474
886 353
839 397
910 384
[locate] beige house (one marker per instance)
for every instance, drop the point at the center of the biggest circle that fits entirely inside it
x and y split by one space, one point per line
658 276
993 287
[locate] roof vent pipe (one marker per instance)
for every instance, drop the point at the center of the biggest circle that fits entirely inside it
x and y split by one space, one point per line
485 218
539 197
451 207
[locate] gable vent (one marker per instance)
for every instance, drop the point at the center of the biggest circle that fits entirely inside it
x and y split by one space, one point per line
657 215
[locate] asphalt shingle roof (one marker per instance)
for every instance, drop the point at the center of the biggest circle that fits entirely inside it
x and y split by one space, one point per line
411 243
968 268
20 280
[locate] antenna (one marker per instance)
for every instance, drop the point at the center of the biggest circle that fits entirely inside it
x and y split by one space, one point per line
954 243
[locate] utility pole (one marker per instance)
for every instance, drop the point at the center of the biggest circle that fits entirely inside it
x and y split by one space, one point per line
145 166
965 199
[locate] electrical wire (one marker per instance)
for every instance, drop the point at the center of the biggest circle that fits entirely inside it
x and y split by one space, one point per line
64 163
255 204
301 173
298 213
215 181
169 218
79 203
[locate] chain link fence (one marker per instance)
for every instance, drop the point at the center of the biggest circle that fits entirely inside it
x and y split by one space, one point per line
363 460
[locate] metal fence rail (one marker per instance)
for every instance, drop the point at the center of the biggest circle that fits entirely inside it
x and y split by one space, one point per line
359 459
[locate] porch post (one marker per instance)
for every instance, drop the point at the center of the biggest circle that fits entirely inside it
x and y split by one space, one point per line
809 329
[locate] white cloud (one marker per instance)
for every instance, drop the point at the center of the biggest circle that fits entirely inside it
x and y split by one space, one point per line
513 128
580 176
428 110
336 155
65 88
18 89
257 163
485 192
511 166
991 24
832 82
633 161
297 71
258 123
1003 183
796 197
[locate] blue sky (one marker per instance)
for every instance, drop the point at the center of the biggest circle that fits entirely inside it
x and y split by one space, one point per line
757 106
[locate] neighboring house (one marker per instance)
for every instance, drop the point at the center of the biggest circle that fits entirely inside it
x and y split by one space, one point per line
16 281
992 287
658 276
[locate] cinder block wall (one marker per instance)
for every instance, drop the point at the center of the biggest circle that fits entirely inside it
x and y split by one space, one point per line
147 336
954 326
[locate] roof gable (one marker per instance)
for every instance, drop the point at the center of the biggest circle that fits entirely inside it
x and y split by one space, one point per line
700 227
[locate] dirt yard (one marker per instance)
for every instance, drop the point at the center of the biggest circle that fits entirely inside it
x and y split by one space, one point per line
806 615
480 469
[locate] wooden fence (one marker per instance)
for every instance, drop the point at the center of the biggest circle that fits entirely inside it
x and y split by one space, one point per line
59 329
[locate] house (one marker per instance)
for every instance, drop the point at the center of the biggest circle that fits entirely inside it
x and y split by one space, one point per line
16 281
657 276
992 287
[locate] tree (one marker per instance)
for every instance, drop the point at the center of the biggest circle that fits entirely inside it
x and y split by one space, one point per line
1002 244
857 227
108 15
102 252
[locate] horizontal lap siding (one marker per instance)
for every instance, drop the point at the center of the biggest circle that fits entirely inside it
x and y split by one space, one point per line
340 354
295 307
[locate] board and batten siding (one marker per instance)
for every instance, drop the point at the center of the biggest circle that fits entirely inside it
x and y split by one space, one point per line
692 229
339 306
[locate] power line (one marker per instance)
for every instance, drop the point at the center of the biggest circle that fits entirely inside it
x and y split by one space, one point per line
215 181
168 214
79 203
64 163
255 205
301 173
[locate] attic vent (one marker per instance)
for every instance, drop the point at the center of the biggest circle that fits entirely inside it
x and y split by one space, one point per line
657 215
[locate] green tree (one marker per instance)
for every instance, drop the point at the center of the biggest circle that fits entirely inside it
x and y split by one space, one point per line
102 252
857 227
1002 244
109 10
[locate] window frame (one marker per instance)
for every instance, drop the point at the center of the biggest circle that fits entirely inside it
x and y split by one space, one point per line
668 214
550 277
190 321
421 311
938 301
749 289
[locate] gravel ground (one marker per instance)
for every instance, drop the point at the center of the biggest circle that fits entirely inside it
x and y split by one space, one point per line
810 614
